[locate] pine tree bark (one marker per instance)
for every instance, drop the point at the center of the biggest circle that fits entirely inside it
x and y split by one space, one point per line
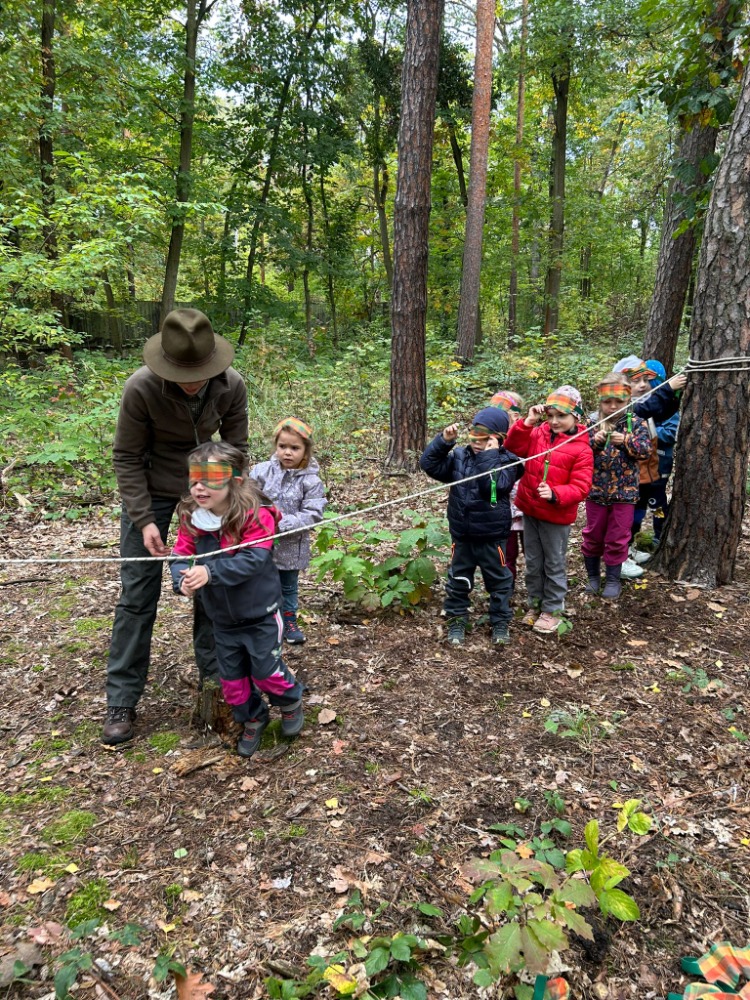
468 306
676 253
408 421
561 84
704 524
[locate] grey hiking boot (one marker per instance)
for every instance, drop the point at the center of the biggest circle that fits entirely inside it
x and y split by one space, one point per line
500 634
118 726
612 585
292 719
252 734
594 573
457 631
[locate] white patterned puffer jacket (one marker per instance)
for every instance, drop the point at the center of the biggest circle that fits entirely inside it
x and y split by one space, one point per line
300 496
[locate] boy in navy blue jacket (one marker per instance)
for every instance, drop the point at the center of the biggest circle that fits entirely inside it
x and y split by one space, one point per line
479 518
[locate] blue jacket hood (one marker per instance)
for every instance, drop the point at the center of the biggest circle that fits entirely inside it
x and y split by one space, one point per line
493 418
661 372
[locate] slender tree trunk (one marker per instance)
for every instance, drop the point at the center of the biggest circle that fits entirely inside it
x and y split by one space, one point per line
676 253
515 243
46 153
380 191
458 159
705 521
270 171
411 217
561 84
196 11
309 219
113 320
598 195
330 290
468 305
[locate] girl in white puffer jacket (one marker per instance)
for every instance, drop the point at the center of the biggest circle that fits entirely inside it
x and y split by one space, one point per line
290 478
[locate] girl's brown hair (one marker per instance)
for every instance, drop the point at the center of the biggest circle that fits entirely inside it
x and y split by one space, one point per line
244 495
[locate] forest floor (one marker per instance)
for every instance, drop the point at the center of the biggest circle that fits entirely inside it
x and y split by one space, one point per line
412 750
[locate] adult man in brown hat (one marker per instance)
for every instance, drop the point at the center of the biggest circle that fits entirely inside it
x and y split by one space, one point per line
184 394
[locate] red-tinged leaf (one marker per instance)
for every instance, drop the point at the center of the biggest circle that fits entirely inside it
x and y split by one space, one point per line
503 950
536 955
190 987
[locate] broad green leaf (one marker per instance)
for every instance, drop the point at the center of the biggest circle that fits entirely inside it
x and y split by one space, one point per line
619 904
483 978
535 954
591 836
577 891
412 989
640 823
400 949
377 960
574 861
499 899
551 936
503 950
573 920
429 909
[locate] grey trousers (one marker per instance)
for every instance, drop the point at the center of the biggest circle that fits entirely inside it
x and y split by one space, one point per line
135 614
546 563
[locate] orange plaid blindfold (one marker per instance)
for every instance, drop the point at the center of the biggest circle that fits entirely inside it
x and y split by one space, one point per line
213 475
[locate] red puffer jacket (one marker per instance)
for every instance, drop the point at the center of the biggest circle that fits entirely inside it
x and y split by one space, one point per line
570 472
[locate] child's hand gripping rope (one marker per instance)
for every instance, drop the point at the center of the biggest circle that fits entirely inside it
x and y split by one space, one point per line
193 578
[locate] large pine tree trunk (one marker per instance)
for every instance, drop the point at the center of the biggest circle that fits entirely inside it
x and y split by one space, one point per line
561 84
676 252
704 524
468 306
411 217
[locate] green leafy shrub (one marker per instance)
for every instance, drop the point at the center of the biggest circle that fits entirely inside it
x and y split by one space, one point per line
352 555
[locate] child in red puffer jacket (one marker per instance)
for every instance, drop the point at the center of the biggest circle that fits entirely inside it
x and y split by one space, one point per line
557 478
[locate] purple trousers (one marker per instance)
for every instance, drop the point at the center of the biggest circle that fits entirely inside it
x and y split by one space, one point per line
607 531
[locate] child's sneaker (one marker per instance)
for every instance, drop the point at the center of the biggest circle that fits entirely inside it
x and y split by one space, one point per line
252 734
292 632
292 719
456 631
500 634
631 570
546 623
530 617
639 558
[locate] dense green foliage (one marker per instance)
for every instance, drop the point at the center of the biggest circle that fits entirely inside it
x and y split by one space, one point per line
291 180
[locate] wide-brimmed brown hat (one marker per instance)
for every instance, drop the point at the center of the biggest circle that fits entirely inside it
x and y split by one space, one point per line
187 349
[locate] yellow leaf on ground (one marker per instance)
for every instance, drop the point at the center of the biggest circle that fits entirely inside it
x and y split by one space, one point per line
39 885
112 905
343 984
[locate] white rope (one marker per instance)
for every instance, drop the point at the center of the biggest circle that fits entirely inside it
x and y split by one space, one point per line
331 520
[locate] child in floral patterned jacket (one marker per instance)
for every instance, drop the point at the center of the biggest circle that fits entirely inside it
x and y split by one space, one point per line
619 446
290 478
